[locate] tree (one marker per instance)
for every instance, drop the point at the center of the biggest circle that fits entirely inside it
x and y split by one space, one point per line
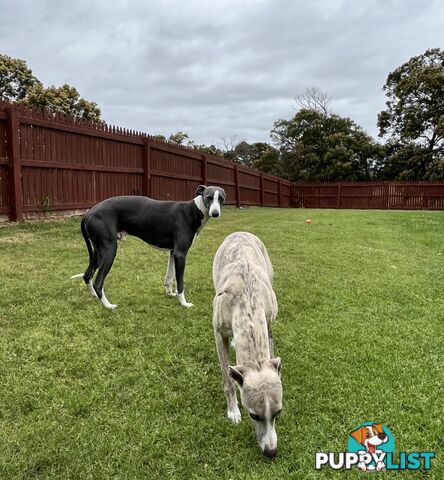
269 162
179 138
413 121
324 147
313 99
247 154
18 84
64 99
15 79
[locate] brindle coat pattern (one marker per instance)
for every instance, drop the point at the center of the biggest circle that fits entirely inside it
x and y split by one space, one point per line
244 307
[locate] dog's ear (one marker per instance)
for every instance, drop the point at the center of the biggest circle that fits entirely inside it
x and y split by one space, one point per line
359 435
222 194
276 363
200 189
237 374
378 427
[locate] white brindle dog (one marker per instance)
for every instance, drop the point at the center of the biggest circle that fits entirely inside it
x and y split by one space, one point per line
244 307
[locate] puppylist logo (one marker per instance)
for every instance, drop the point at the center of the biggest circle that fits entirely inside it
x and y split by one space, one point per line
371 447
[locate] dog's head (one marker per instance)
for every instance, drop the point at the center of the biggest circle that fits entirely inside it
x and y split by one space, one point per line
370 436
213 199
261 395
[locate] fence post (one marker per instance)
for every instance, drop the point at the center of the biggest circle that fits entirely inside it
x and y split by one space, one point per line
15 168
262 189
339 195
236 179
279 193
386 195
204 169
293 199
146 161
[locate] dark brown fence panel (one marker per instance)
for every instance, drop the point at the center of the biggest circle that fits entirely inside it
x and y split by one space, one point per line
66 167
175 173
271 191
316 195
368 195
361 196
4 164
286 194
249 186
223 174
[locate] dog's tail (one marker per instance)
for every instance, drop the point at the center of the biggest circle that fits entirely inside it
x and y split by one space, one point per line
77 275
88 246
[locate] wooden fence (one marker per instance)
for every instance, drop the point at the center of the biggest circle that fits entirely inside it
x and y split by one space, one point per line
367 195
56 163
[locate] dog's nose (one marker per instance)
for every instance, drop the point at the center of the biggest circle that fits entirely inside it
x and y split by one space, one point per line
270 453
215 214
382 436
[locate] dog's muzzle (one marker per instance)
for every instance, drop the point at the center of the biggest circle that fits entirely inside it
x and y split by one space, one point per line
215 214
270 453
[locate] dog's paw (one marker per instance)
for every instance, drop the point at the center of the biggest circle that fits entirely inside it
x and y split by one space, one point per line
182 301
234 415
170 293
111 306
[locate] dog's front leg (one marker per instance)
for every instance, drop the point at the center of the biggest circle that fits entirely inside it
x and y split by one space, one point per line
233 411
270 342
170 276
179 263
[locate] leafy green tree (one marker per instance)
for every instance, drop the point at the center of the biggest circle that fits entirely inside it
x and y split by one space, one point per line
318 146
179 138
415 105
64 99
209 149
247 154
18 84
413 121
15 79
269 162
183 139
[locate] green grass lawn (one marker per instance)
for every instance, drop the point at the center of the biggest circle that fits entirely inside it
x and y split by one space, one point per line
136 393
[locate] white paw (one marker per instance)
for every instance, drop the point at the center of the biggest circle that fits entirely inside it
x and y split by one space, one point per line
234 415
182 301
111 306
170 293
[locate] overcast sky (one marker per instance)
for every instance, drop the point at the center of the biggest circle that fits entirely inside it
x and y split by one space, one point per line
217 68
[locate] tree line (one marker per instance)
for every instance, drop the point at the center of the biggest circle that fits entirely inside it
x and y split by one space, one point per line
316 144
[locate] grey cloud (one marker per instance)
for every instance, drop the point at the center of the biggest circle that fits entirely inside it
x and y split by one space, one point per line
219 68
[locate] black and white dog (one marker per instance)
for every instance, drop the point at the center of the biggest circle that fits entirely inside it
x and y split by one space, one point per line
167 225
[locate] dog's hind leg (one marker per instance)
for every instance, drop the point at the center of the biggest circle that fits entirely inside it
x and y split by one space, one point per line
89 273
107 253
170 276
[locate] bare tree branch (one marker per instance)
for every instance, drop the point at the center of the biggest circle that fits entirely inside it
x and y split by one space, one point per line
313 99
229 143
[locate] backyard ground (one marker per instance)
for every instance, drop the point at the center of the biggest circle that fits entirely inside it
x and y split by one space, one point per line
136 393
